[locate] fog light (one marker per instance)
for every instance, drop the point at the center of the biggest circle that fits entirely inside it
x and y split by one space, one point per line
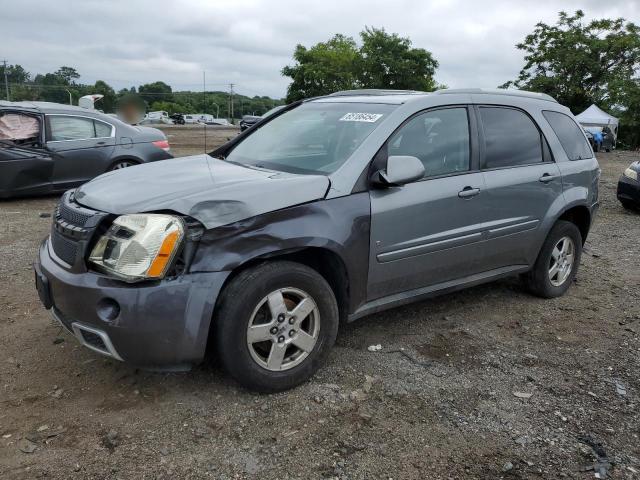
108 309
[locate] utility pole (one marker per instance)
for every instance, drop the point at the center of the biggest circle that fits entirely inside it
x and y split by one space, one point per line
6 80
231 101
204 106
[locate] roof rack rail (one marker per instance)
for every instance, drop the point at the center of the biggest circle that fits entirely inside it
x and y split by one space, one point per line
497 91
374 92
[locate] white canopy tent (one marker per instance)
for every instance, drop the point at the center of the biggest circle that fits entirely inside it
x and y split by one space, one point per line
595 117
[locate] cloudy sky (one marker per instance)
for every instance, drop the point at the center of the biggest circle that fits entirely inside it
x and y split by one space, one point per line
248 42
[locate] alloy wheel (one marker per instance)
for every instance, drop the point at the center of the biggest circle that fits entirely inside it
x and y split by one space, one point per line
121 165
561 261
283 329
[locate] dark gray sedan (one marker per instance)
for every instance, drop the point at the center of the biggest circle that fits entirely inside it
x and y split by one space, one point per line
49 147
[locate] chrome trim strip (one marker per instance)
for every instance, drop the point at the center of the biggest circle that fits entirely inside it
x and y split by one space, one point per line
429 247
111 351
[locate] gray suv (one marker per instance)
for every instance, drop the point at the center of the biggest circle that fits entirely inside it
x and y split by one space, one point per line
331 209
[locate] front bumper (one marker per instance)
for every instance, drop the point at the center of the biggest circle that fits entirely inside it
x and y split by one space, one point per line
160 324
629 190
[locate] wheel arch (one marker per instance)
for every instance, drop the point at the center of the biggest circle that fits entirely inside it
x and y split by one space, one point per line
325 261
580 216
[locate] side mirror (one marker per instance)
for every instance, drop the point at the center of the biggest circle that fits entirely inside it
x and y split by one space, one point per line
400 169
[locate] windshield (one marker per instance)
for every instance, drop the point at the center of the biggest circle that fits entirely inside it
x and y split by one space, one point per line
314 138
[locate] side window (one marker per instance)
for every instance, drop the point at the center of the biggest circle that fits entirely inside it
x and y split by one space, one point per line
511 138
439 138
102 129
571 138
70 128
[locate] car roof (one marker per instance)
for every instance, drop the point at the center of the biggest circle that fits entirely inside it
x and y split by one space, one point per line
47 107
397 97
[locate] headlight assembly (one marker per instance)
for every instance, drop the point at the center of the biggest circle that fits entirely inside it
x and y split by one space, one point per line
631 173
139 246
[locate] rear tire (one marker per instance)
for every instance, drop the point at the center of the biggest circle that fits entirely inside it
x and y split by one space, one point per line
260 340
557 262
122 164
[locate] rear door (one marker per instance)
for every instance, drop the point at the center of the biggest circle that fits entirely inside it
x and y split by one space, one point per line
83 145
429 232
522 182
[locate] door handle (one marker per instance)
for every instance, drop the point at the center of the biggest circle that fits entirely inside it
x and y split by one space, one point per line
468 192
100 143
546 178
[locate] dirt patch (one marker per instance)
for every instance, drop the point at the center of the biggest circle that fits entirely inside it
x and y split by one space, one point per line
494 384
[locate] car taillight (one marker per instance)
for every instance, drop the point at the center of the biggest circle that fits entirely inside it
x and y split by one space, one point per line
163 144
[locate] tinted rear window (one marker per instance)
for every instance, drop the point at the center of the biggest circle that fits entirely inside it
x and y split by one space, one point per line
570 135
511 138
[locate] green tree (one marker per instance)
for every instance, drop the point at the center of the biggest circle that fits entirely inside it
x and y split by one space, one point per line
382 61
108 103
325 67
68 74
16 77
156 92
389 61
53 88
578 62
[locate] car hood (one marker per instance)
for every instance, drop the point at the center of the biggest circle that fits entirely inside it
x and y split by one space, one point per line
212 191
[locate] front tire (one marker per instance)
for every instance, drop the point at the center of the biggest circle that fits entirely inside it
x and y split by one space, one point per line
557 262
275 325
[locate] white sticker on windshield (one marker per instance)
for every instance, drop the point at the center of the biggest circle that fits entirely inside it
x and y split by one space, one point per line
361 117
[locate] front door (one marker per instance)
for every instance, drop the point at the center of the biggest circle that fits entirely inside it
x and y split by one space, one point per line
83 148
429 232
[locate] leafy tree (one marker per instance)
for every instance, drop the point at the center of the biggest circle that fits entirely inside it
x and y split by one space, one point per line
578 62
625 96
108 102
52 87
57 86
15 74
382 61
389 61
169 107
155 92
68 74
324 68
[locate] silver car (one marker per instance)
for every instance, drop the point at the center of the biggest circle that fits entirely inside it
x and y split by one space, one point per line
327 211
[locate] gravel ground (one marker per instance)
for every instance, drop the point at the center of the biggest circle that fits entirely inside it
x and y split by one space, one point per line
486 383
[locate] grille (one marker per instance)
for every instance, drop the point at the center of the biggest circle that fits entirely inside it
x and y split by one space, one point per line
65 249
72 215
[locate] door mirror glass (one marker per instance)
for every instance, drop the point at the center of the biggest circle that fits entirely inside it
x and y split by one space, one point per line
401 169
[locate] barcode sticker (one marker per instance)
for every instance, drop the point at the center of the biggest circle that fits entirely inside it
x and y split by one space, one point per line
361 117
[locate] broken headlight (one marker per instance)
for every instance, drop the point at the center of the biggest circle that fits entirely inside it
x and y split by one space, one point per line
139 246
